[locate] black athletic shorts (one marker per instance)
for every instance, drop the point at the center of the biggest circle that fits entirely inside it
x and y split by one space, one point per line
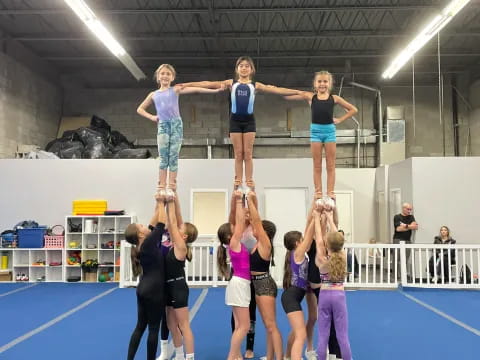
291 299
177 293
242 123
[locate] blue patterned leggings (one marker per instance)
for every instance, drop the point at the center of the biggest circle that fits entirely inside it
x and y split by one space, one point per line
169 140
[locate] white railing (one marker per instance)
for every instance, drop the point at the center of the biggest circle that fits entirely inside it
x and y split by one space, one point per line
201 271
369 266
373 265
442 266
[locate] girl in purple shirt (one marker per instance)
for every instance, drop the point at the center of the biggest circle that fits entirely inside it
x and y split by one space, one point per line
170 125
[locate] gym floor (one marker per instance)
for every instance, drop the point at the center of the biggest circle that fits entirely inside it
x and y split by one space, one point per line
94 321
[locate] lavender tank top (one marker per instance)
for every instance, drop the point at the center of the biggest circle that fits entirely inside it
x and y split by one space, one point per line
299 272
240 262
166 104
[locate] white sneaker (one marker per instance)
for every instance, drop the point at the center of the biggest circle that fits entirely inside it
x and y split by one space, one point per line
169 193
311 355
329 202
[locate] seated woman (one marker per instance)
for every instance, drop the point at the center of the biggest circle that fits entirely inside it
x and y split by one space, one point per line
435 262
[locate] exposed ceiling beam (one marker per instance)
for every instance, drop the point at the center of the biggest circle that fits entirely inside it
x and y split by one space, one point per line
196 56
237 36
226 10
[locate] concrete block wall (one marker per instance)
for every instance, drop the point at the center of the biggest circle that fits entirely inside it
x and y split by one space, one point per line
30 107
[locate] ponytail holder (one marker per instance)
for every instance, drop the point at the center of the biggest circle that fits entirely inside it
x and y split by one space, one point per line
224 246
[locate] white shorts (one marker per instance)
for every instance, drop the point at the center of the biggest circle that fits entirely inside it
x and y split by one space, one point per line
238 292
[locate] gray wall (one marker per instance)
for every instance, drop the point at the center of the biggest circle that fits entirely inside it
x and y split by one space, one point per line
30 104
399 177
44 189
446 192
443 191
207 116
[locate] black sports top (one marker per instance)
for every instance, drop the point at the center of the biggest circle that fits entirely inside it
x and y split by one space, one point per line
313 271
257 263
322 110
174 268
152 281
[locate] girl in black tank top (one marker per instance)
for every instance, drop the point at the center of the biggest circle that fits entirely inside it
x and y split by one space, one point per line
323 128
264 286
181 234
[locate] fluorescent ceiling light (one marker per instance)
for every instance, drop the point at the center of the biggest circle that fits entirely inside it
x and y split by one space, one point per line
86 14
430 30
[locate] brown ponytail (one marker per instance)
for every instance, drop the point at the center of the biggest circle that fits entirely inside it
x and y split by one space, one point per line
270 230
192 234
224 234
189 253
131 236
290 240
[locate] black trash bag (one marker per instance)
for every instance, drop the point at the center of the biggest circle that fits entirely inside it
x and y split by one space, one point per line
55 146
98 122
70 135
121 146
26 224
71 150
96 150
116 138
89 136
132 154
104 132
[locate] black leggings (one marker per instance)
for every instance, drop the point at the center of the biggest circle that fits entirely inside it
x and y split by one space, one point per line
149 313
333 347
164 329
253 318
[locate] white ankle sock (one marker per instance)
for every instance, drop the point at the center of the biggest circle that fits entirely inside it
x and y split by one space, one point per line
190 356
179 355
163 350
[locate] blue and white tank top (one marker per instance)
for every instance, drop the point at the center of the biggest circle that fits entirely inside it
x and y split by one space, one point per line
242 98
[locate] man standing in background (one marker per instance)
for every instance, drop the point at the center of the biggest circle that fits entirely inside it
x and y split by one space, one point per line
403 224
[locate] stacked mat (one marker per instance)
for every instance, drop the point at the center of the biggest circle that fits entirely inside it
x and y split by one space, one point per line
89 207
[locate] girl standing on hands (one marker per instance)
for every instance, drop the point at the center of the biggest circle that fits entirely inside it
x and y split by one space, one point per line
323 128
170 125
242 122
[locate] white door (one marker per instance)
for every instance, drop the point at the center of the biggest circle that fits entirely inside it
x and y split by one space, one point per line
345 214
287 208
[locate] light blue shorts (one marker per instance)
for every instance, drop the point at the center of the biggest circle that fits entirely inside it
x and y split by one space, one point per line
324 133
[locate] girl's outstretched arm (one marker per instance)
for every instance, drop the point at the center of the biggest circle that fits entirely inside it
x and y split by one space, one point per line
349 108
142 108
208 84
302 95
275 90
197 90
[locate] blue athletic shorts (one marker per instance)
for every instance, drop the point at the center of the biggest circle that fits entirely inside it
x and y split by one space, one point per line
324 133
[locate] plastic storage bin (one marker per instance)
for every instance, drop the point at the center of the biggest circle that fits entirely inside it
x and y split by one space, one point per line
8 240
31 237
